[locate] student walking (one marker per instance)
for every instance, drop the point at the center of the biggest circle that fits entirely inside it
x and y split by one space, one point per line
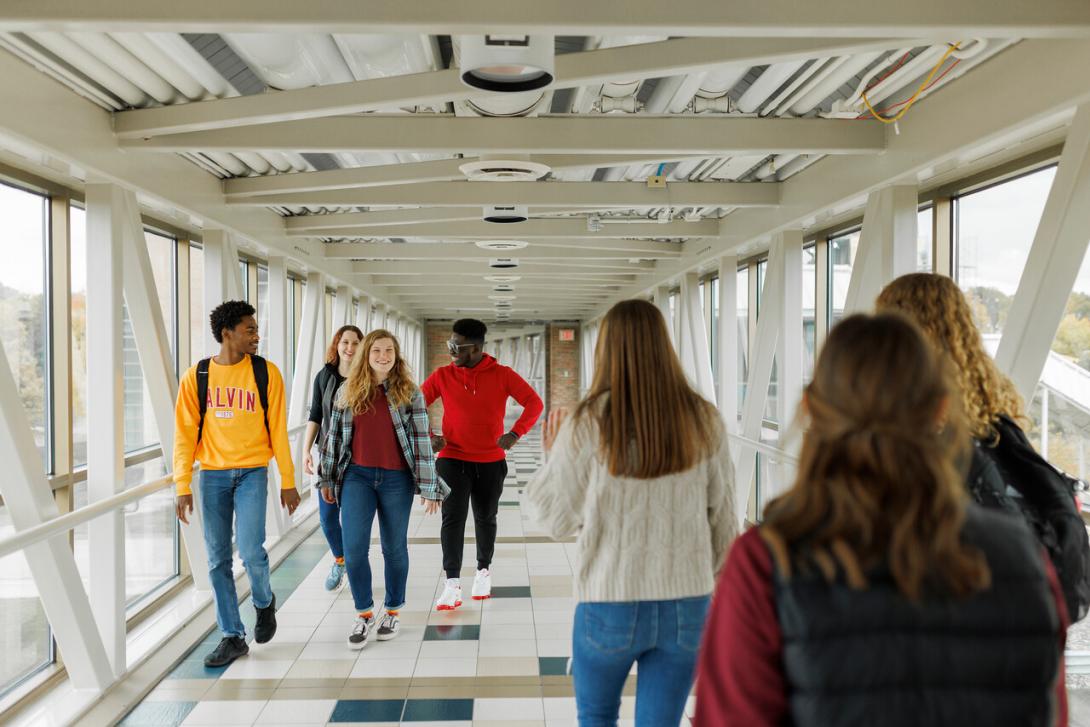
873 592
1005 472
338 361
375 454
231 417
641 474
473 449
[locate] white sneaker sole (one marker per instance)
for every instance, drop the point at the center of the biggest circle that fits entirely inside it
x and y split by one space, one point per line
485 597
387 637
357 647
447 606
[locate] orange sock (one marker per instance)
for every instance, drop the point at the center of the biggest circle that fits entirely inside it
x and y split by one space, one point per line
392 613
367 614
339 561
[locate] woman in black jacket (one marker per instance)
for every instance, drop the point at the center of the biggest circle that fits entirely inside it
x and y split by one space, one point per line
338 360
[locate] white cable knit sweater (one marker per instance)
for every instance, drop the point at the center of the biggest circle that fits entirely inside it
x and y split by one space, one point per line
638 540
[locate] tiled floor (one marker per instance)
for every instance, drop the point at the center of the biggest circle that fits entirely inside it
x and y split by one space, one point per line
497 662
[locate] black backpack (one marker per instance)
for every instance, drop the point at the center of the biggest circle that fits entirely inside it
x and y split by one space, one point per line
261 376
1011 476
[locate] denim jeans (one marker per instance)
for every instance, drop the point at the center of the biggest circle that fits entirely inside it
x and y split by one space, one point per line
663 637
367 490
237 495
330 516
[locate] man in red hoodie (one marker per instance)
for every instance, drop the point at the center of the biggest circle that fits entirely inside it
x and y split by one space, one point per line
472 449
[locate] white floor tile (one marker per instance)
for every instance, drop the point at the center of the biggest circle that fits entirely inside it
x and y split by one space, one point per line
246 668
509 709
297 711
220 712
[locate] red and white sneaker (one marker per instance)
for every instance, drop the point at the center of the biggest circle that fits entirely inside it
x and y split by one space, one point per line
482 585
452 596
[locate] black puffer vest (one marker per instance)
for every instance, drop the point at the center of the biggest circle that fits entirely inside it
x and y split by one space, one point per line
873 658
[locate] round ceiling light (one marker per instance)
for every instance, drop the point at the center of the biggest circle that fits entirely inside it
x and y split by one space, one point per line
506 63
503 278
505 213
503 297
501 245
501 263
507 169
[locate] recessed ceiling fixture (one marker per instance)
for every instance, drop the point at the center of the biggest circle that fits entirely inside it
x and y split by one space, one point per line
503 297
506 63
503 169
505 213
503 278
501 245
503 262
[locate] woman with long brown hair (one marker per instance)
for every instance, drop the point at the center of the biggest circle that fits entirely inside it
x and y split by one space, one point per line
338 361
1005 472
873 592
642 476
376 454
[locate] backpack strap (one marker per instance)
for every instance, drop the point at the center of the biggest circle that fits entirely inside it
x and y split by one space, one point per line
202 392
261 377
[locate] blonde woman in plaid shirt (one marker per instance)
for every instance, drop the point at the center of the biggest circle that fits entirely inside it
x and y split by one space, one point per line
376 454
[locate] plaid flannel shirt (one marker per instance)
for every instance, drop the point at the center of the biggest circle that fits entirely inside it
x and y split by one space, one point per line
413 434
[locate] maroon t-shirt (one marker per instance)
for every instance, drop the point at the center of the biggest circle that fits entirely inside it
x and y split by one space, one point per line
374 441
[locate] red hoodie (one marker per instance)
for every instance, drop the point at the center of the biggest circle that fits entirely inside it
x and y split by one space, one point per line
474 404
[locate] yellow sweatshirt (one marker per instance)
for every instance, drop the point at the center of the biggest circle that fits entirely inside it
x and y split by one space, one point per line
234 433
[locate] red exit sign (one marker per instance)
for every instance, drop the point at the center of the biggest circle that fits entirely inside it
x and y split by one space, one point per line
567 334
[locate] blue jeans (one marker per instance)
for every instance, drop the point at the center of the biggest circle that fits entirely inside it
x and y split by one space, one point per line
367 490
235 495
663 637
330 515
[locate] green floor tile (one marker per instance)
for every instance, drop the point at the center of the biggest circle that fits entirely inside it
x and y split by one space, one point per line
155 714
436 710
453 632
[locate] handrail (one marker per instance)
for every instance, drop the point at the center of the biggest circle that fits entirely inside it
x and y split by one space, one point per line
63 523
68 521
764 448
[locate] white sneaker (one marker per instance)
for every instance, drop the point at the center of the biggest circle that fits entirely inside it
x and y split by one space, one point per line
389 628
482 585
360 631
452 596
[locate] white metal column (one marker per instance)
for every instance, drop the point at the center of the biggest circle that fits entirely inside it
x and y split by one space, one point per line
760 372
887 245
342 308
313 302
222 279
379 317
695 358
156 361
1059 248
363 315
277 333
29 500
106 210
789 343
728 340
662 302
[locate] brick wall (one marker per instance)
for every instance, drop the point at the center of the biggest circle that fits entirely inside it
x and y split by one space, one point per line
561 366
436 336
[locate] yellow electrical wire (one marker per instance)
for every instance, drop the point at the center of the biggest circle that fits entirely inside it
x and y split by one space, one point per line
912 99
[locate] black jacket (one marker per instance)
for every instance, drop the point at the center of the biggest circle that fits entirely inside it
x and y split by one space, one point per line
872 657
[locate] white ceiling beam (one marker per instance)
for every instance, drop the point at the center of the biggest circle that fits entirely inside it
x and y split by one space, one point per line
679 56
607 279
685 135
927 140
50 118
402 216
542 286
339 225
633 248
480 268
539 194
752 18
444 170
469 251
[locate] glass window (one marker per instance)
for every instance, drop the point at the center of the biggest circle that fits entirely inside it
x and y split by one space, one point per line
1061 405
713 335
809 320
23 308
842 251
743 335
244 274
198 320
994 231
770 403
924 235
26 644
77 223
151 534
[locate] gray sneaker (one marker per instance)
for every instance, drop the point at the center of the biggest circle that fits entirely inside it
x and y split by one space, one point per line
360 631
389 628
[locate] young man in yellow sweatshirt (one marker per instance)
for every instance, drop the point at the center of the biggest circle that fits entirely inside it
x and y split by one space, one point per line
234 438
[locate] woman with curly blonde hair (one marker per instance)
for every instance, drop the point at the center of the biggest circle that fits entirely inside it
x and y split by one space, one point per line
376 453
1005 472
937 305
